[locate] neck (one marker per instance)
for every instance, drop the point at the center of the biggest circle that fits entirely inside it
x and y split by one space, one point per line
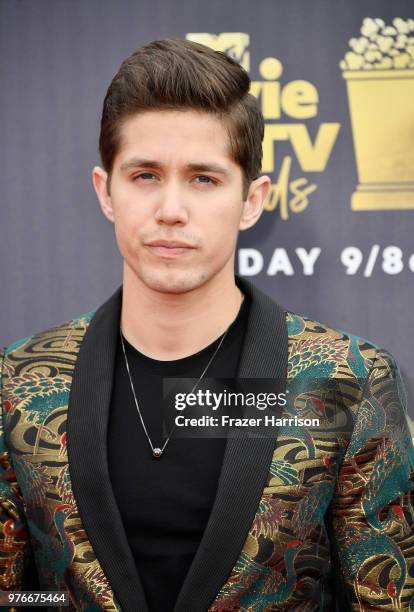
168 326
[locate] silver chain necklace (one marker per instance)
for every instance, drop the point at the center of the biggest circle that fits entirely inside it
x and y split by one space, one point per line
156 451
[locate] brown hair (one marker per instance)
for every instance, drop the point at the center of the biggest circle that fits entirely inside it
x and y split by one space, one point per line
175 73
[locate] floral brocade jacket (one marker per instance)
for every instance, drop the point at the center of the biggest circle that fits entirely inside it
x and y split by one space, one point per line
309 518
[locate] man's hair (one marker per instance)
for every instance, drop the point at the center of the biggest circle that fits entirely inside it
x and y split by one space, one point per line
178 74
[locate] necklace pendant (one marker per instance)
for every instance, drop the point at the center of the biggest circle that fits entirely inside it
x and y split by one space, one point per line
157 452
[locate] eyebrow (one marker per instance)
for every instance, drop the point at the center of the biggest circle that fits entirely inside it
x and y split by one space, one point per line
151 163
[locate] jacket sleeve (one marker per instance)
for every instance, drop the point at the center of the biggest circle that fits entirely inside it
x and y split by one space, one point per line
17 568
372 507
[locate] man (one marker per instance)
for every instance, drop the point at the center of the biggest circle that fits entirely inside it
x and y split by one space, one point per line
96 499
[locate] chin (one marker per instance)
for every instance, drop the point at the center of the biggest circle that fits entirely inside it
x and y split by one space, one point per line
174 281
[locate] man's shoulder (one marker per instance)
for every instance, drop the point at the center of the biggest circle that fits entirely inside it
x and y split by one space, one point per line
301 326
312 336
316 342
56 336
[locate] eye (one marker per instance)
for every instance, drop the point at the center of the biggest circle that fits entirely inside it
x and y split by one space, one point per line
143 175
209 179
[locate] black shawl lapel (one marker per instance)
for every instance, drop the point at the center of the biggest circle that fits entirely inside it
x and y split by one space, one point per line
88 415
243 475
246 460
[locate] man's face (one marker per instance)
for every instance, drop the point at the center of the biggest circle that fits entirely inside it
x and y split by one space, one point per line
173 181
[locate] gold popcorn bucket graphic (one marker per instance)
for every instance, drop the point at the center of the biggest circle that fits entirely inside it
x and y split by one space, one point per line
381 104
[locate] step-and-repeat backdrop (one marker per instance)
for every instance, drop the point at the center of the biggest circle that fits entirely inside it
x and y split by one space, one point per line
335 82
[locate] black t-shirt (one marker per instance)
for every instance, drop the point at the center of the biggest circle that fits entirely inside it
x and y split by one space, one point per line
165 503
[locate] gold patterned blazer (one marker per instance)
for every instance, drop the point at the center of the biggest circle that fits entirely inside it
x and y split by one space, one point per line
306 519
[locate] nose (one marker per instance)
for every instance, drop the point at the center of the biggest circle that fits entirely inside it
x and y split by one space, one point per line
171 208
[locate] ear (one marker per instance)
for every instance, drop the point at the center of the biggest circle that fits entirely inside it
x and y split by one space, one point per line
100 183
253 206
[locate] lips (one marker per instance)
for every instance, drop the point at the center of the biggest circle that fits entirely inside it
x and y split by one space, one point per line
169 249
170 244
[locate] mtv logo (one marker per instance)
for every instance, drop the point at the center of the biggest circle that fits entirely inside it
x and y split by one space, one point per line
233 44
